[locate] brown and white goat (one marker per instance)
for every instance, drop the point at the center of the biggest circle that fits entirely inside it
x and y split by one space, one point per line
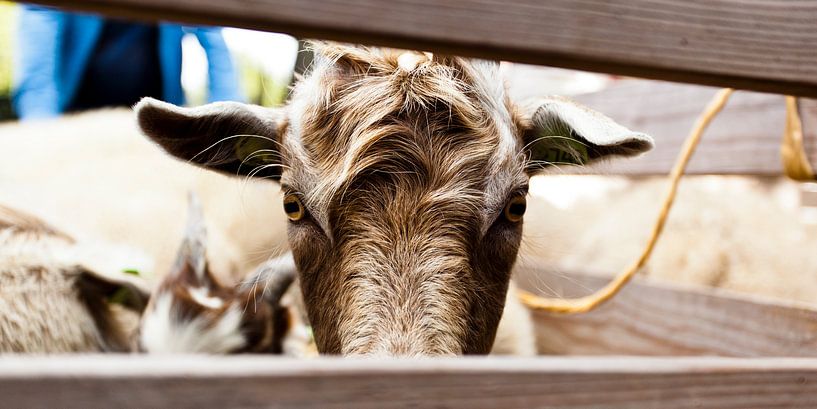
192 312
405 177
54 297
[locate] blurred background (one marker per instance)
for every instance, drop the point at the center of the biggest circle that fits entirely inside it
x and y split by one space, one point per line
7 25
264 62
93 175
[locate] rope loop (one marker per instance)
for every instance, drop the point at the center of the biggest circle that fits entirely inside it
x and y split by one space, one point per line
792 152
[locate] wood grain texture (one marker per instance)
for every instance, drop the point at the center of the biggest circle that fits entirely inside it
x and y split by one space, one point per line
758 45
649 318
477 383
744 138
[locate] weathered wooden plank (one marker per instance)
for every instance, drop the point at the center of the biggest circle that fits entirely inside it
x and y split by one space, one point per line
255 381
744 139
764 46
649 318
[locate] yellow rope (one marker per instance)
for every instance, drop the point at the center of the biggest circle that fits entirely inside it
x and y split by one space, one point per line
795 161
590 302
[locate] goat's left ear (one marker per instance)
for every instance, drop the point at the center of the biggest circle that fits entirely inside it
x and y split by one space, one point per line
558 131
119 287
229 137
98 290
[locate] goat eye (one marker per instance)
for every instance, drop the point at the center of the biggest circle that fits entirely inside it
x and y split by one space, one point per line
293 207
515 208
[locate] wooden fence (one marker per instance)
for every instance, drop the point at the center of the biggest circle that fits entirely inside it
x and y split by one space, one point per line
646 319
760 46
764 46
106 382
661 319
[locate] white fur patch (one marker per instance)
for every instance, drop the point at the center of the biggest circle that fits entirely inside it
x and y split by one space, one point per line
164 332
201 295
409 60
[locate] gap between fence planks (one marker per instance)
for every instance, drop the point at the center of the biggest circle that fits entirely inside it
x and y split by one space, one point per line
649 318
744 138
201 382
764 46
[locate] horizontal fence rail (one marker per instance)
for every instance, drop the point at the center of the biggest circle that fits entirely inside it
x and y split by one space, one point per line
764 46
649 318
200 382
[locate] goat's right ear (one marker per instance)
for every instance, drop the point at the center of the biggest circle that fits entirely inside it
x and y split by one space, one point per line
560 131
229 137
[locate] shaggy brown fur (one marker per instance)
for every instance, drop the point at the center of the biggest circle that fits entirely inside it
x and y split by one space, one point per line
404 163
50 301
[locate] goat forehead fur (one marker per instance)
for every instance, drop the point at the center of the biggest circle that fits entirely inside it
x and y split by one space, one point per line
443 121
